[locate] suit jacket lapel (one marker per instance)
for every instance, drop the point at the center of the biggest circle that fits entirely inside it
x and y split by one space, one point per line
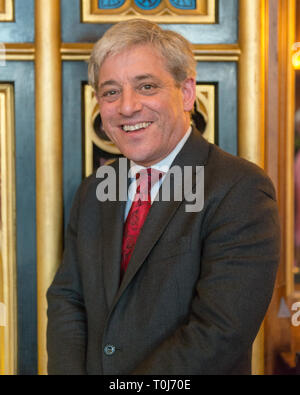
194 152
112 223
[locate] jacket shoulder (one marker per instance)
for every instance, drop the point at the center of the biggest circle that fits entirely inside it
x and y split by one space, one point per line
227 170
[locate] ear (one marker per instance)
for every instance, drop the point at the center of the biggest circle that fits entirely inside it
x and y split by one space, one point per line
188 88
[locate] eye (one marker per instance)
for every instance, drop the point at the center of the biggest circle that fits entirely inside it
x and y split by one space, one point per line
148 88
110 95
111 92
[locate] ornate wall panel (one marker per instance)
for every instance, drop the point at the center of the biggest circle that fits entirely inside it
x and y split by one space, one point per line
19 27
8 296
20 75
6 10
224 76
98 148
160 11
212 26
223 31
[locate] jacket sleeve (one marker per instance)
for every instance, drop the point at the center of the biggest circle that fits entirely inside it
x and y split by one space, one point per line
66 331
239 262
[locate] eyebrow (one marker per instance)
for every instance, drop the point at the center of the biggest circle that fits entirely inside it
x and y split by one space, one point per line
106 83
136 78
144 77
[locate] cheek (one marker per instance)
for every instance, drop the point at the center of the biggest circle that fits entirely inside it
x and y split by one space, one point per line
106 125
107 112
170 108
104 116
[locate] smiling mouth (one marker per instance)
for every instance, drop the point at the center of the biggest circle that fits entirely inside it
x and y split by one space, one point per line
138 126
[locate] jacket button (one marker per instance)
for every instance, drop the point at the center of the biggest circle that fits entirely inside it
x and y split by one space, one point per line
109 349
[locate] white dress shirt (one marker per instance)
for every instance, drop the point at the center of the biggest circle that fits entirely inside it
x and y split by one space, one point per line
163 166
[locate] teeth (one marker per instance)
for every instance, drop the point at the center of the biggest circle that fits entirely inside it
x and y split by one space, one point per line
130 128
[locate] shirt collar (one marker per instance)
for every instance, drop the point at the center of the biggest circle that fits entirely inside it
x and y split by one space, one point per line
165 164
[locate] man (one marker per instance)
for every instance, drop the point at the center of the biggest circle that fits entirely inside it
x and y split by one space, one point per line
184 292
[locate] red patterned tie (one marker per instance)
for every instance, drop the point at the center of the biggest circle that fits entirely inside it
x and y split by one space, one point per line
137 213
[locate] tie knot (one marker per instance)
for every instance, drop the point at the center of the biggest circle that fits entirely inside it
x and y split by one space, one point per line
146 178
144 174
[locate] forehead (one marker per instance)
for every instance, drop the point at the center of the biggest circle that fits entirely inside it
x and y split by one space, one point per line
135 60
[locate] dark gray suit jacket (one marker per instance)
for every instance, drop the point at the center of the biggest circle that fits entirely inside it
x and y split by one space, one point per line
196 289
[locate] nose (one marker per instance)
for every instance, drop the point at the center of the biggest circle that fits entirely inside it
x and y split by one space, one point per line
129 102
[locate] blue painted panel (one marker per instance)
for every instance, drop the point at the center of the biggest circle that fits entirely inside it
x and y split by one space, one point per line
224 75
147 4
74 74
22 30
22 75
110 4
223 32
71 27
184 4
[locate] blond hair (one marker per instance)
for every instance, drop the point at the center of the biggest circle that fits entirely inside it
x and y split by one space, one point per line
173 47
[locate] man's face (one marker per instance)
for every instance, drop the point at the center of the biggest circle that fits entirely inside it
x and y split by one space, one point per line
142 109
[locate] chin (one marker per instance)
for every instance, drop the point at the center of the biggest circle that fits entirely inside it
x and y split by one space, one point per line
138 160
135 157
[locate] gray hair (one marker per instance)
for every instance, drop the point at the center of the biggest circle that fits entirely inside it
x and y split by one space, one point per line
174 48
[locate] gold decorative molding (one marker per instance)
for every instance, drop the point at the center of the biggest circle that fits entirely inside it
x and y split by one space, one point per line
204 12
76 51
251 121
288 127
258 358
251 81
82 51
202 52
91 111
49 200
6 10
18 52
8 287
217 52
207 101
